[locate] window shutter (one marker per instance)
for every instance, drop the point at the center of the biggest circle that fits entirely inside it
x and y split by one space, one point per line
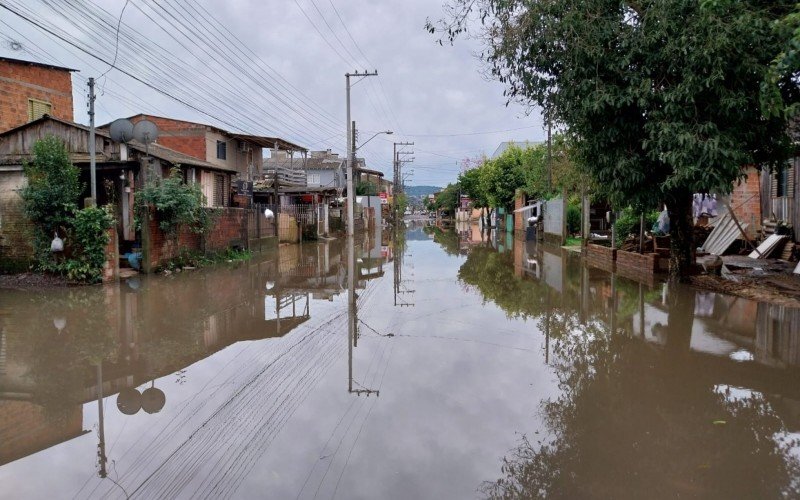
37 109
789 183
773 185
219 189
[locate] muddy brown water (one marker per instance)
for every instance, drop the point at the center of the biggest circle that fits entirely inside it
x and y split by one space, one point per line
482 367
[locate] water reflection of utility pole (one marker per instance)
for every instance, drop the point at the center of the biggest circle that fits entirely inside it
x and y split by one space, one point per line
352 317
101 445
613 303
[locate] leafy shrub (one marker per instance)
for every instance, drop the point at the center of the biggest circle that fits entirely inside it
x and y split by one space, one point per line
90 233
573 218
177 204
52 193
628 223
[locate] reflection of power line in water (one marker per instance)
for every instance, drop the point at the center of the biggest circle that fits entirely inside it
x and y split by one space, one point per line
196 450
226 479
279 361
230 381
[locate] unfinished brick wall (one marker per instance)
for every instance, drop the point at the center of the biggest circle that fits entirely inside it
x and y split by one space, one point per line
185 137
601 257
229 230
746 201
21 81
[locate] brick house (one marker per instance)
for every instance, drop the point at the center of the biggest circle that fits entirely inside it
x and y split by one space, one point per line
238 153
29 90
119 168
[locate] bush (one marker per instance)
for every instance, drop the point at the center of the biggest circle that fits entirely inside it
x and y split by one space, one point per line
177 204
628 223
573 218
52 193
90 232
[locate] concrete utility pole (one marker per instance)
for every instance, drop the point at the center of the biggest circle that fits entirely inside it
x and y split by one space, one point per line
92 145
397 180
351 153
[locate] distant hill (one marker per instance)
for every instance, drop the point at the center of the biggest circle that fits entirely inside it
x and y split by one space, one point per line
421 191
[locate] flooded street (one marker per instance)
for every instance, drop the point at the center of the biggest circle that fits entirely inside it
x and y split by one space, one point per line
472 367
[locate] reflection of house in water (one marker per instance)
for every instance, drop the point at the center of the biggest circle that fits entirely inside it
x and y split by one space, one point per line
156 327
778 335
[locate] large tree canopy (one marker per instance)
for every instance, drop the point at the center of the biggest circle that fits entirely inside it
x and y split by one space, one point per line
661 98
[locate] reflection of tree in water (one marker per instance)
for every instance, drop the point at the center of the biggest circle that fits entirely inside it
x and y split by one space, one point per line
448 239
637 422
60 362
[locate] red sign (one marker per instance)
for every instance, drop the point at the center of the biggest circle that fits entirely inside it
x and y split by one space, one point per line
382 194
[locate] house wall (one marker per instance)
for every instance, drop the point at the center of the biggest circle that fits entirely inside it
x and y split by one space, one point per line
184 137
206 178
20 82
746 201
235 158
16 250
327 177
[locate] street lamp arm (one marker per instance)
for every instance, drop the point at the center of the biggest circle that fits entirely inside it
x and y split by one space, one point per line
387 132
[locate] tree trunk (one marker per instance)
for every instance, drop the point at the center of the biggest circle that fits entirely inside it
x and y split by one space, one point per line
681 230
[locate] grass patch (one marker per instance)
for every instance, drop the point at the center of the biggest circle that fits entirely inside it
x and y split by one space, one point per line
199 259
572 242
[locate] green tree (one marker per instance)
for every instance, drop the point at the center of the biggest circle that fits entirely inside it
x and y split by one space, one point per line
52 193
501 177
447 199
659 97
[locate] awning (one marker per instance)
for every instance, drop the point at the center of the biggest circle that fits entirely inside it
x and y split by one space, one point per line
270 142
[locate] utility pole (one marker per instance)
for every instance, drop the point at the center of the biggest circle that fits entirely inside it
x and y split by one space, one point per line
351 153
397 179
549 156
92 145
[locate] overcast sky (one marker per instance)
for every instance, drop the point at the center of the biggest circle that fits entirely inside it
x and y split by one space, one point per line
288 77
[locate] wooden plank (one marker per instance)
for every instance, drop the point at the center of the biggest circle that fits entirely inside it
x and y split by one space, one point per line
766 247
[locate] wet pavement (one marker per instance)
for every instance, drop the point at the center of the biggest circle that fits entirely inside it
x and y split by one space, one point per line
464 365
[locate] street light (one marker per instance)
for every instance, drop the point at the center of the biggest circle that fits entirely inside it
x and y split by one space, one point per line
351 169
387 132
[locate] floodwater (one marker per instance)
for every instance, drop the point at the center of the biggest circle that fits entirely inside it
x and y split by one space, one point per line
463 366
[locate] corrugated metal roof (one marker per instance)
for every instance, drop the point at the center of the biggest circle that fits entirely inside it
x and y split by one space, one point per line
723 235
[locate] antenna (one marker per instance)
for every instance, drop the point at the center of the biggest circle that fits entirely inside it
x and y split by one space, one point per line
121 130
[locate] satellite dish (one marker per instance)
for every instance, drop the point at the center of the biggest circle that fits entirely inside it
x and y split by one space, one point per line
121 130
129 401
153 400
145 131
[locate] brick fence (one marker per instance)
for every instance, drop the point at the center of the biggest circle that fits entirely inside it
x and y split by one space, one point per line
229 230
600 256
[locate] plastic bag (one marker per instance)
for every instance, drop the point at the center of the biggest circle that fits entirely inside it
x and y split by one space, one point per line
57 245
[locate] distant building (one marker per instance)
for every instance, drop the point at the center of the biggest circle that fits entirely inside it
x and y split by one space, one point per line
30 90
520 144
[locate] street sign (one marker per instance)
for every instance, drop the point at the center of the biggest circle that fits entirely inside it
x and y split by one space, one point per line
384 199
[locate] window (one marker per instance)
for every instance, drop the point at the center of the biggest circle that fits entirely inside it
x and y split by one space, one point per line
219 190
312 179
782 182
37 109
222 150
